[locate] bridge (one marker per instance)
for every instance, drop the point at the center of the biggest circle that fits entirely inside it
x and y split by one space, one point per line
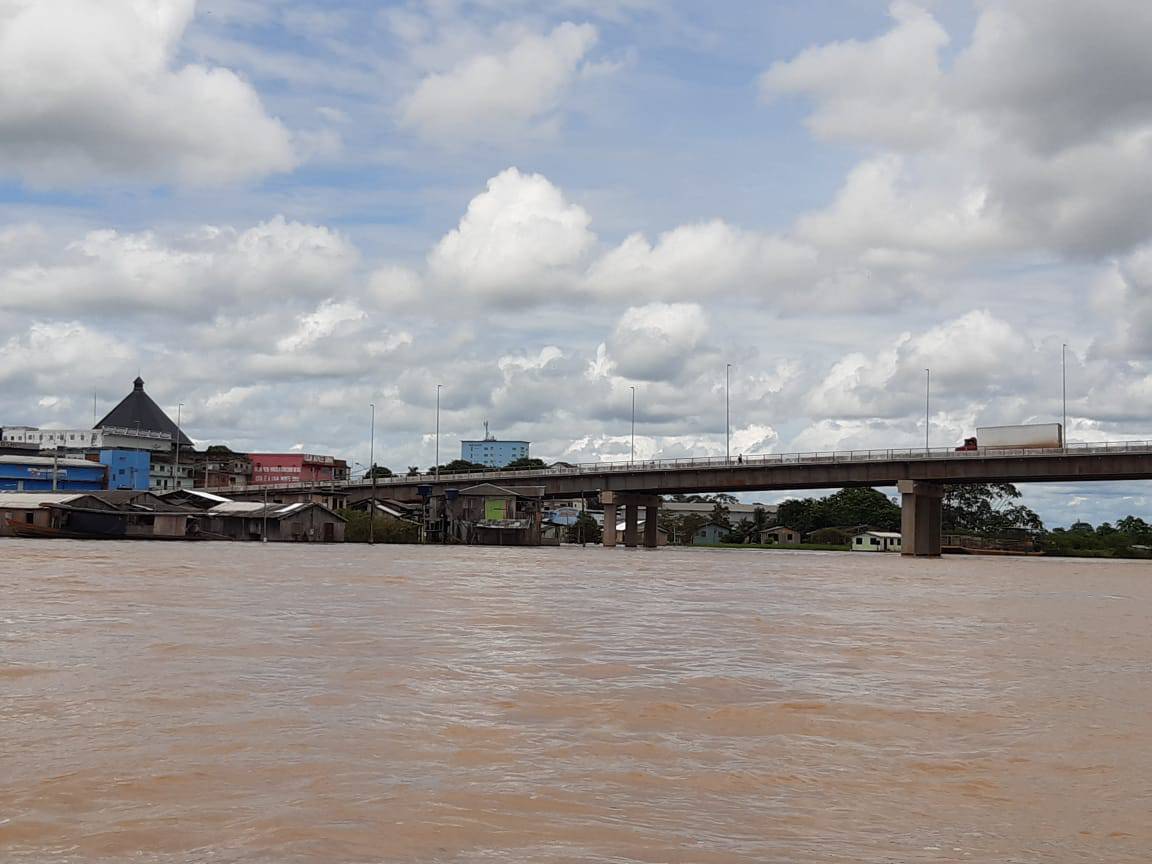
919 474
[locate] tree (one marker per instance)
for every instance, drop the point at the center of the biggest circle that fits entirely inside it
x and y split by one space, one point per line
721 515
843 509
690 523
524 464
461 466
378 471
585 530
986 508
413 470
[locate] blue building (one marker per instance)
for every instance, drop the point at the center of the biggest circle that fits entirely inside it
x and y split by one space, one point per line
127 469
493 453
38 473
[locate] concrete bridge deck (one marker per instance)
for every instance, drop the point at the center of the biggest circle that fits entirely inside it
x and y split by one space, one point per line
920 475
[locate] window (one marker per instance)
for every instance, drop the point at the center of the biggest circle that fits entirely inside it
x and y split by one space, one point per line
875 541
859 541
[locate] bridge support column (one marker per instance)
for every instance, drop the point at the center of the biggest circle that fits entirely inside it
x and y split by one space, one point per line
609 502
652 526
631 524
921 518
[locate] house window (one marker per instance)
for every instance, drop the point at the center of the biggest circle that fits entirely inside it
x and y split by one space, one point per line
875 541
859 541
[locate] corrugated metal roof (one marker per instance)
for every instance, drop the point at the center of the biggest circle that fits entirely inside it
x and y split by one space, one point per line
238 507
48 462
31 500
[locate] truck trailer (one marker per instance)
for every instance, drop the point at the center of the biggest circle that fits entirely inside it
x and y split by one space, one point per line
1032 436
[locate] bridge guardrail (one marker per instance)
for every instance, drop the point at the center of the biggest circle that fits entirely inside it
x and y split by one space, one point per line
706 462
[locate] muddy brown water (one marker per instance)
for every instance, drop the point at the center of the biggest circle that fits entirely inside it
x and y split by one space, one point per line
240 703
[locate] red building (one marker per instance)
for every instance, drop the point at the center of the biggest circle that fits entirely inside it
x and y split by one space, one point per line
272 468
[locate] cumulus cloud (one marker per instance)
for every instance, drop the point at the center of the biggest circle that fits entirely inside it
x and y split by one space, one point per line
50 353
518 239
976 356
501 95
1038 136
883 91
657 342
92 92
194 273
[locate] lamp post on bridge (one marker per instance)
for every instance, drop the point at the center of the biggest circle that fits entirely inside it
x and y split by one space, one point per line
438 386
1064 393
927 406
176 468
633 456
372 470
727 412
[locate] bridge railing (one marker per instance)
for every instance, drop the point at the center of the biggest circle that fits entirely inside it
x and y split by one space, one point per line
708 462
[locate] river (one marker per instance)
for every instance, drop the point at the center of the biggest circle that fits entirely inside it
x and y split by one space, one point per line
279 704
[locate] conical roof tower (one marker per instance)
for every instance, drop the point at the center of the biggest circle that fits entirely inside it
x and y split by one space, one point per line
137 412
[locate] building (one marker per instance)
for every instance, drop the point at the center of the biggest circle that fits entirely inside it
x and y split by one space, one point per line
710 534
218 467
128 469
269 469
876 541
28 508
491 515
85 440
138 417
165 474
491 452
302 522
780 536
736 512
51 474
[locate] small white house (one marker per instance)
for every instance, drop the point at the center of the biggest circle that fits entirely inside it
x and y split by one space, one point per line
876 541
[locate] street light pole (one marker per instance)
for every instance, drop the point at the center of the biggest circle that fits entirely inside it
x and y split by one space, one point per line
927 405
1064 393
176 468
727 412
372 468
438 386
633 459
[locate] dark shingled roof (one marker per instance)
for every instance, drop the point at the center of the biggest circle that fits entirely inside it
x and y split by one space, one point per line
138 411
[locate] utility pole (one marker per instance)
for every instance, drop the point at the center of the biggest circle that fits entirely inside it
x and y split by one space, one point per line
176 469
727 413
927 406
1064 393
633 459
264 530
438 386
372 468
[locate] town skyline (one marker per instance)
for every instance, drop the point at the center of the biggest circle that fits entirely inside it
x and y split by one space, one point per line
280 213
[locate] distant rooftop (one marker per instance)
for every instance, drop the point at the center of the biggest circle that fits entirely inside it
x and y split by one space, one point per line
137 411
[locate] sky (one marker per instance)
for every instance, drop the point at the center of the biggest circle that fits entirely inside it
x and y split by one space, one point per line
279 213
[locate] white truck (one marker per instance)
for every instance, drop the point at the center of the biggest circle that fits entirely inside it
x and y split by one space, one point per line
1032 436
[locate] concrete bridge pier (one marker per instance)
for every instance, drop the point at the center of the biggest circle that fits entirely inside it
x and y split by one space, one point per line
631 524
609 533
921 518
631 504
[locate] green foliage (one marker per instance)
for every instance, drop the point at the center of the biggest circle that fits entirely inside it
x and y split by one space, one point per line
379 472
461 466
1125 539
585 530
986 509
702 499
386 530
846 508
413 470
524 463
